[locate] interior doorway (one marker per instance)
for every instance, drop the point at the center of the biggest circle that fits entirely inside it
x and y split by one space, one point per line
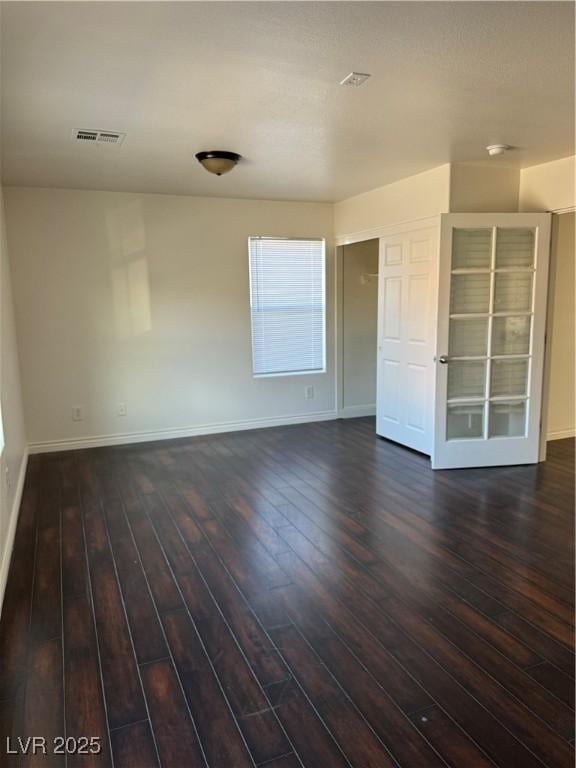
358 331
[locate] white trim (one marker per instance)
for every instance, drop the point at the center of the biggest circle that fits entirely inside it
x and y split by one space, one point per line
561 434
568 209
387 229
356 411
11 532
395 229
284 374
127 438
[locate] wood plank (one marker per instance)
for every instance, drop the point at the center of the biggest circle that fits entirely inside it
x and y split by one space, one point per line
74 579
124 698
85 707
258 649
173 727
288 761
262 657
356 738
399 685
555 681
312 741
133 746
11 717
449 740
44 704
162 584
219 734
46 620
255 719
145 627
251 566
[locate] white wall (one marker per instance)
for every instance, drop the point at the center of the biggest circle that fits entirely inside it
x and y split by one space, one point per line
359 327
14 453
484 187
561 384
552 187
143 299
13 443
549 187
416 197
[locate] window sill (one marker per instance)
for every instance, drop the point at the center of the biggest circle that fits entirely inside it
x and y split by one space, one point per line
288 373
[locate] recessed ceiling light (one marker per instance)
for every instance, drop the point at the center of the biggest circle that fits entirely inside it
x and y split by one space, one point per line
355 79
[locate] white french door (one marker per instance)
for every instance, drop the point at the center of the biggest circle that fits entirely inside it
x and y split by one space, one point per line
493 280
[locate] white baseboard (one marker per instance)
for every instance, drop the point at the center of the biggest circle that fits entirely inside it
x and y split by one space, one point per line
561 434
11 533
356 411
99 441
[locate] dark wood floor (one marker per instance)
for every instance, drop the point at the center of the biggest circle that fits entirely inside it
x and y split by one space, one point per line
302 596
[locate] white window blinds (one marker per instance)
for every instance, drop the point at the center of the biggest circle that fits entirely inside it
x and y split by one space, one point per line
287 303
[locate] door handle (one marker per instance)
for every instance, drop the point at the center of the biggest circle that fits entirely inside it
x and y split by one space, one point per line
443 359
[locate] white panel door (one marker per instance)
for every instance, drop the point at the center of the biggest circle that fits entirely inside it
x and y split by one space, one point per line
407 303
492 294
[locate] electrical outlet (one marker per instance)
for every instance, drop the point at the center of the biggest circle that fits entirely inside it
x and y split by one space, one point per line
309 392
122 410
77 413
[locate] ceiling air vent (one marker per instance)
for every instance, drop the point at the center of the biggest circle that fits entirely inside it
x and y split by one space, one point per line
98 137
355 79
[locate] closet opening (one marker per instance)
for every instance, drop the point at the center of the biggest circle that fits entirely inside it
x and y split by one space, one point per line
358 328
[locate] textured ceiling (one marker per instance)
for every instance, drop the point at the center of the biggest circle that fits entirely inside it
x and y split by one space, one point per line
262 79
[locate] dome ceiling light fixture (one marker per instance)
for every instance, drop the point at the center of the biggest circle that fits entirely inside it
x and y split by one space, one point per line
218 161
497 149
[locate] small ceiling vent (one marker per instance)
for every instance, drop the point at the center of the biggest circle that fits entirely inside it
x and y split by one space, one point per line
355 79
97 137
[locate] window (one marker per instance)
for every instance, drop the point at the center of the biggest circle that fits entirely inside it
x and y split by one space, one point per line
288 305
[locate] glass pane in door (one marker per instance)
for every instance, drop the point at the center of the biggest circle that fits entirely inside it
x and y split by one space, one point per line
507 419
468 337
471 248
466 378
465 421
513 292
511 335
514 248
509 377
470 294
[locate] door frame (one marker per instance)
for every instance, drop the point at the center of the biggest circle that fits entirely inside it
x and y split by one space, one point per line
353 411
350 239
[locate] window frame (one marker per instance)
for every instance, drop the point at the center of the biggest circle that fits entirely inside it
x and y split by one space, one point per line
279 374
